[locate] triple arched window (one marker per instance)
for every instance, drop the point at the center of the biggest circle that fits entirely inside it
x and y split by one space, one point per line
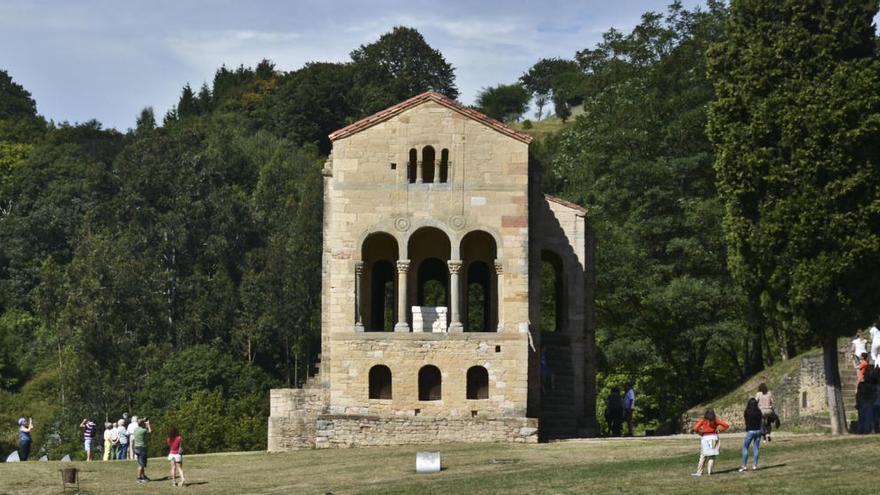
430 383
431 168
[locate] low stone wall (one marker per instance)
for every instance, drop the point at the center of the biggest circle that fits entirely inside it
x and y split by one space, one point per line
356 431
292 415
799 399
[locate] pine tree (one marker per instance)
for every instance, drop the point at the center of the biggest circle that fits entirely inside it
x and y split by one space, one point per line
795 125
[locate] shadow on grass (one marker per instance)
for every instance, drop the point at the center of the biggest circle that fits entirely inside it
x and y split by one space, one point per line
736 469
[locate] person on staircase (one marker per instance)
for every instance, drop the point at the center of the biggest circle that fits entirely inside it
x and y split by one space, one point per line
864 366
875 343
859 347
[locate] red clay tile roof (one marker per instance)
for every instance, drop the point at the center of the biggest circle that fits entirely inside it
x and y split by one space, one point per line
566 203
389 112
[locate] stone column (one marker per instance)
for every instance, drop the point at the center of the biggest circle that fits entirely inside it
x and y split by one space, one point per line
419 165
402 269
454 290
358 272
499 288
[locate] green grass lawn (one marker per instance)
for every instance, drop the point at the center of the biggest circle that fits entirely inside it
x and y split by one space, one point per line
800 464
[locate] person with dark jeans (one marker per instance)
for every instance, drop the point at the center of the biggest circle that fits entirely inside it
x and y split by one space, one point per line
754 420
614 412
629 406
865 403
24 438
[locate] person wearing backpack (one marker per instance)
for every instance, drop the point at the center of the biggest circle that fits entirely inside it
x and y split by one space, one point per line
113 434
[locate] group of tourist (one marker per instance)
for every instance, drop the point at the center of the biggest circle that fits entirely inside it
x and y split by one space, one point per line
868 381
123 440
619 409
759 417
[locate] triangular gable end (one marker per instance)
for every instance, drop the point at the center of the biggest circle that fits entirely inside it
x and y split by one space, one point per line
441 99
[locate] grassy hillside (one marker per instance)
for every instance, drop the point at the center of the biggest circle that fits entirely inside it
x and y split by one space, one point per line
802 464
552 125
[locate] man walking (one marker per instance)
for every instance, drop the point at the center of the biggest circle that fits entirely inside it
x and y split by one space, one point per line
629 406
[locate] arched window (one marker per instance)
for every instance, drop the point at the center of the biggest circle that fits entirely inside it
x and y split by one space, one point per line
478 299
428 164
552 293
480 290
382 304
477 383
429 383
377 291
433 283
380 382
444 166
411 166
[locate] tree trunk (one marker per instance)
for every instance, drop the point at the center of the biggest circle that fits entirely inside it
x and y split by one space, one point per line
754 357
836 412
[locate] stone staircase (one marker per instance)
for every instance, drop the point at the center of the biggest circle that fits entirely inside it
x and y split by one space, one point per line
557 408
848 377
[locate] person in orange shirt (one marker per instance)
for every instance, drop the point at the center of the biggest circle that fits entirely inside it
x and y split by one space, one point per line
863 366
707 426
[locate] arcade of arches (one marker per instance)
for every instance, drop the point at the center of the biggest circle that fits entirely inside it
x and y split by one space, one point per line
387 287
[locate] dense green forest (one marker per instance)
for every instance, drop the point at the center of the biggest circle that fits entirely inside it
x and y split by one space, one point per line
173 270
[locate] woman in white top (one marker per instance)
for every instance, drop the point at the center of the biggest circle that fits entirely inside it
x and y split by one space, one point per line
875 344
859 346
765 404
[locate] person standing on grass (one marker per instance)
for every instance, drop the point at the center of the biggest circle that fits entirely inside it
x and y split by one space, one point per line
629 406
139 442
24 438
131 427
865 397
614 412
765 404
875 379
122 448
754 420
113 432
107 443
708 425
175 456
88 427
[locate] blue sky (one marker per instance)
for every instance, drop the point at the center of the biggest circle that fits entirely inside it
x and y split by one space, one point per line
109 59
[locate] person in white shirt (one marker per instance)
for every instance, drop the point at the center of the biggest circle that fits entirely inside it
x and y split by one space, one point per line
131 427
859 346
875 344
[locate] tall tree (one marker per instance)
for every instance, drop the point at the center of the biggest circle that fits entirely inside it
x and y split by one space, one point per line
796 127
505 102
639 159
399 65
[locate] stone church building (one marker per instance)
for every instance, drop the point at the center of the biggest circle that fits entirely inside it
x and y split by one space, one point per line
448 278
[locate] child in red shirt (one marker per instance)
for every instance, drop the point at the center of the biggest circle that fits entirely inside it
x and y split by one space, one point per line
707 426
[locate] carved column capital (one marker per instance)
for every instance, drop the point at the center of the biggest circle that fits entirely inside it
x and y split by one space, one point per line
454 266
402 266
358 267
499 267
